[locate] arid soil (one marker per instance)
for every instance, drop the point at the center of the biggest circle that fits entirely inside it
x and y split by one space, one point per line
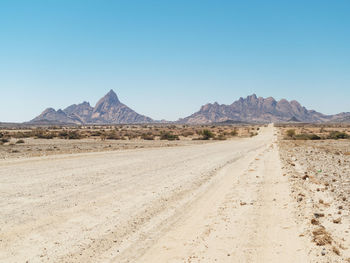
18 142
239 200
319 175
43 147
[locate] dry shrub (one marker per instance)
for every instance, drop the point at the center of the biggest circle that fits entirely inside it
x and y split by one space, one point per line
321 237
19 135
206 135
95 133
71 135
113 135
168 136
335 135
4 140
147 136
187 133
290 133
336 250
234 132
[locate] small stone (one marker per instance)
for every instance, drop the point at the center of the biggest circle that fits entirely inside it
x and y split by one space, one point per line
315 222
318 215
337 221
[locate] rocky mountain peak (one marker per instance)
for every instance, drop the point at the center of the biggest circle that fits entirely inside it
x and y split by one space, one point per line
85 103
252 97
48 110
107 110
254 109
111 97
110 110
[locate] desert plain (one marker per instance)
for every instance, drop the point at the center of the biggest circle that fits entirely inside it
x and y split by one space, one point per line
179 193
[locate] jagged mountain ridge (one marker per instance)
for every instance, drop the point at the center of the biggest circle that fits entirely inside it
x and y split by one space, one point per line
81 111
257 109
108 110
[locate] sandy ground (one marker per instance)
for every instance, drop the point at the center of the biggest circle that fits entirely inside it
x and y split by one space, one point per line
318 172
219 202
43 147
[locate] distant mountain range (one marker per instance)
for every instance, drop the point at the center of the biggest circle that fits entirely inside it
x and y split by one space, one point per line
254 109
109 110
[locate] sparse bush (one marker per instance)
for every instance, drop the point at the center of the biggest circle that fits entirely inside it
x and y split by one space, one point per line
113 135
207 134
20 141
63 134
147 136
187 133
74 135
131 136
96 133
19 135
252 134
305 136
335 135
290 133
71 135
4 140
40 134
168 136
234 133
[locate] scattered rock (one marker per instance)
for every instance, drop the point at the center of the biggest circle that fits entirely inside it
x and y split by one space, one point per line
318 215
315 221
337 221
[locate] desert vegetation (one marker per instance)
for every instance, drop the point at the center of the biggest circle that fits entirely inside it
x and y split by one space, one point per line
130 132
47 140
315 131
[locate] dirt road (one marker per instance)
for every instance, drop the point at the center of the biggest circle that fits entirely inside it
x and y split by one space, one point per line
218 202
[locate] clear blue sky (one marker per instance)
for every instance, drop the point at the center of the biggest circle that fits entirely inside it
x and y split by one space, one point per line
167 58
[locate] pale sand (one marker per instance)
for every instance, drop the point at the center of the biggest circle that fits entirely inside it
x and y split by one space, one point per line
218 202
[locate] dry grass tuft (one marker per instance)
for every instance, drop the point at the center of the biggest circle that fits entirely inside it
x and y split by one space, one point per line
321 237
336 250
